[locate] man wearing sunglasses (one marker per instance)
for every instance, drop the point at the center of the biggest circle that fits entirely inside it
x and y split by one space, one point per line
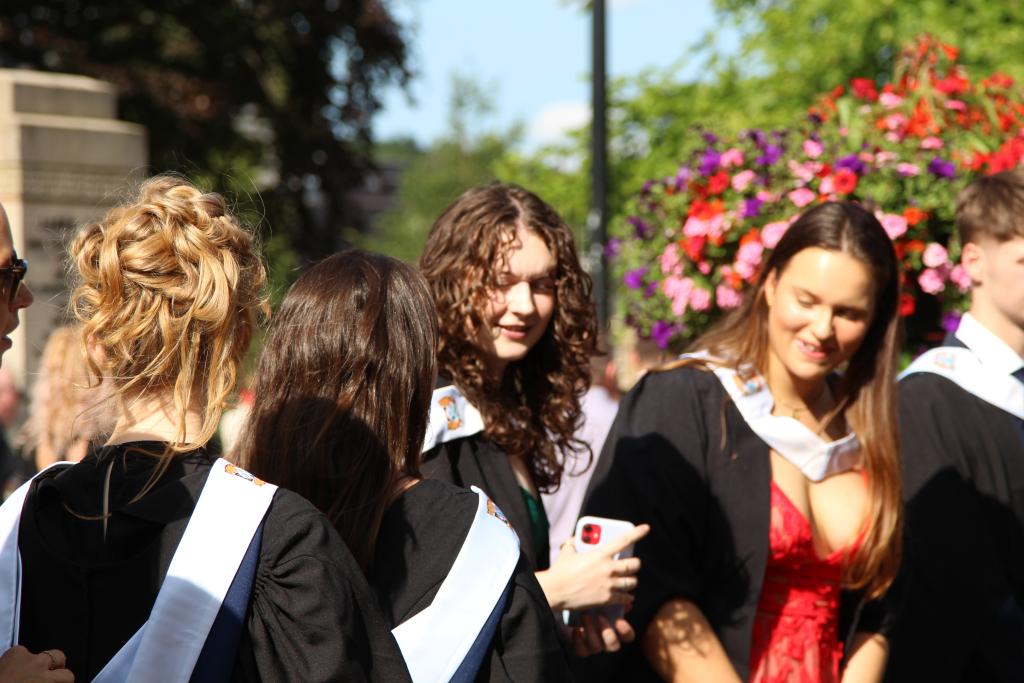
14 293
18 664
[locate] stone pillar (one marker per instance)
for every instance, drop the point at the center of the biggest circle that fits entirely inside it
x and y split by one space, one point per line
64 160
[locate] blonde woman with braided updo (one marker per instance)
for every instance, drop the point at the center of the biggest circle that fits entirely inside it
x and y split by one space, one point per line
164 562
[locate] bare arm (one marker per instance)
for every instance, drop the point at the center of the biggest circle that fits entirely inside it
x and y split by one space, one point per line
868 656
681 646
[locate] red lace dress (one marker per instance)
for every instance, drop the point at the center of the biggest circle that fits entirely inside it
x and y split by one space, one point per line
796 638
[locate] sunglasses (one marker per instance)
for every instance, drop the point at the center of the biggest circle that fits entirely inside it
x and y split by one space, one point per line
11 278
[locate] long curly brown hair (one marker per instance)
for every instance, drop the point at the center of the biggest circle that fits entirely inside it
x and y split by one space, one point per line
533 410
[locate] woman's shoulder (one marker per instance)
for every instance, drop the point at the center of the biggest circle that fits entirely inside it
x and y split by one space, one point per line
432 500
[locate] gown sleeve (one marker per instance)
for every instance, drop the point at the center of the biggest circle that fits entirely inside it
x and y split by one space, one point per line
527 646
952 584
312 615
652 470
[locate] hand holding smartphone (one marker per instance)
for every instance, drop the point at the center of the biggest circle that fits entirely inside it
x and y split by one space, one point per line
596 534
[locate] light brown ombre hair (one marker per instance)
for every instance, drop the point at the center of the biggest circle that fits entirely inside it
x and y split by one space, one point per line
169 290
866 392
343 390
533 411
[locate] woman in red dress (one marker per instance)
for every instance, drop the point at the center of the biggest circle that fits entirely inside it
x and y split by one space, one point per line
767 464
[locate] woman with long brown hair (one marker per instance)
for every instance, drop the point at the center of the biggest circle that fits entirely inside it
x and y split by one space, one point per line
517 330
339 414
152 559
767 462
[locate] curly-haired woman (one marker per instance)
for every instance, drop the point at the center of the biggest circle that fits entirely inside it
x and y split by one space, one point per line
517 329
151 559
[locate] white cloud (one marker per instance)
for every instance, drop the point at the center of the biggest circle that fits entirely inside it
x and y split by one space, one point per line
556 119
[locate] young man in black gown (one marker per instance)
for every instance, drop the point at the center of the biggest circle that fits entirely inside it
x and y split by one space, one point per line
962 424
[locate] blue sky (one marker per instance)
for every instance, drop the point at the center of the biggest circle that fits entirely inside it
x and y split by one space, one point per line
532 57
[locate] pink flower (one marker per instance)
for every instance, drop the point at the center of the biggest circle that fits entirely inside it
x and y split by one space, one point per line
890 100
750 253
827 185
960 278
932 142
727 297
894 224
731 157
956 105
766 196
931 281
670 263
743 269
893 136
704 267
678 290
843 131
813 148
712 227
907 169
773 232
895 121
803 172
801 197
935 255
700 299
885 158
742 180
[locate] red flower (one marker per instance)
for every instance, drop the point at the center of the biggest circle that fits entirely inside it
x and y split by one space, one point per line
916 246
718 183
844 181
694 247
952 84
864 89
921 122
907 305
914 215
752 235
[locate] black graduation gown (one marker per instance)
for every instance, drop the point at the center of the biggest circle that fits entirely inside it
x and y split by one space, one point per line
962 585
312 616
419 538
476 461
708 501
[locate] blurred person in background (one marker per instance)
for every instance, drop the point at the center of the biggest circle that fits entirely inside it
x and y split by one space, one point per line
67 409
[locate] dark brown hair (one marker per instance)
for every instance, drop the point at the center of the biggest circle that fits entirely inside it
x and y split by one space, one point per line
533 411
866 393
343 389
993 207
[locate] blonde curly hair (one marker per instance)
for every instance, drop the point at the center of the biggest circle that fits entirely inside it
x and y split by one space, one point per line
169 290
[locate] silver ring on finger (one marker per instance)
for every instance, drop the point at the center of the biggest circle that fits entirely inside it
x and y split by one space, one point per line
53 659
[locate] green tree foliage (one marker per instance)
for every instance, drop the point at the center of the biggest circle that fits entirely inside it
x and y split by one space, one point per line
274 96
465 156
790 52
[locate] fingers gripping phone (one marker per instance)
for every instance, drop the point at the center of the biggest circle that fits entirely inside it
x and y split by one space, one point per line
594 533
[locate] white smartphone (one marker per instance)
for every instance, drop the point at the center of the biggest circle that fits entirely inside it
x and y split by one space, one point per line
592 533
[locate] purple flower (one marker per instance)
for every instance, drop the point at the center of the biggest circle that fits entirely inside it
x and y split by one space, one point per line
710 138
709 162
646 189
651 289
951 321
751 207
771 154
634 279
683 176
851 163
641 229
662 333
757 136
940 168
612 248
